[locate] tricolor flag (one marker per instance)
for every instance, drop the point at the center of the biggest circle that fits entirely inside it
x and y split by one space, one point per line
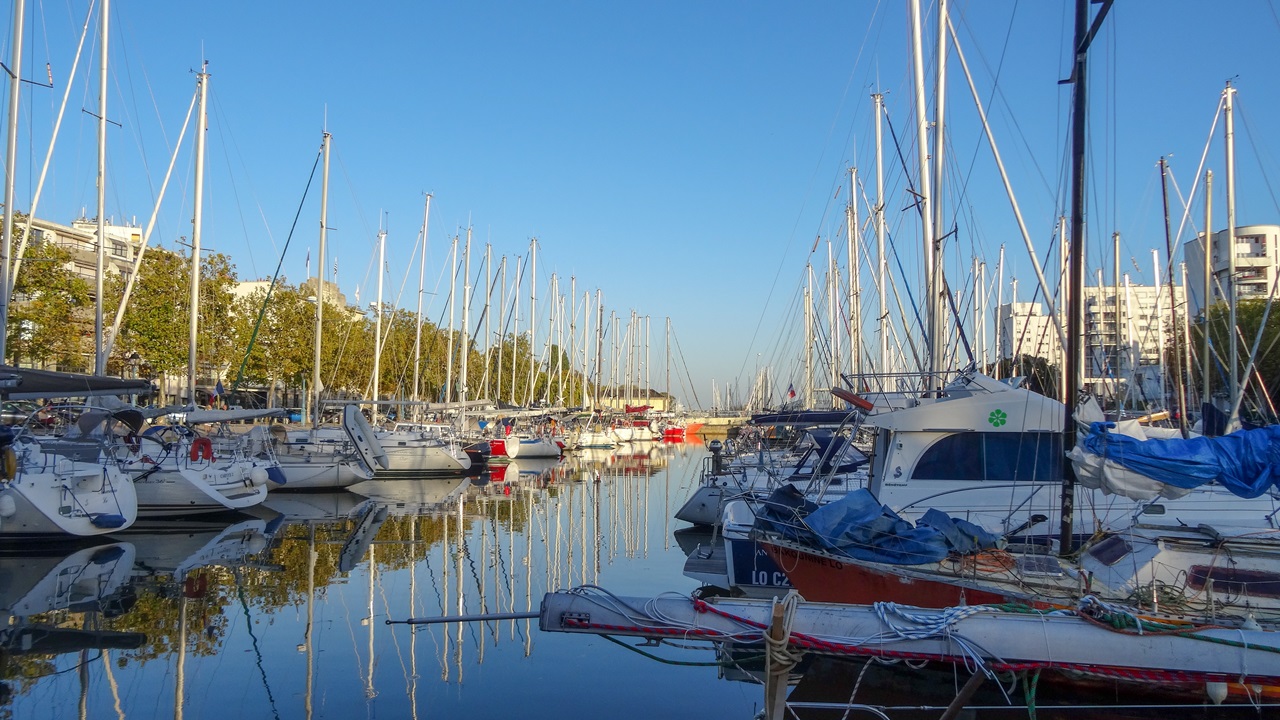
791 391
217 390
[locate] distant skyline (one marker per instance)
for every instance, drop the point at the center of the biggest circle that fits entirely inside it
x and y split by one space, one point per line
683 158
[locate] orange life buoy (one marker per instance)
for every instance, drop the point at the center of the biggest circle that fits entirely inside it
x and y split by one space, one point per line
202 449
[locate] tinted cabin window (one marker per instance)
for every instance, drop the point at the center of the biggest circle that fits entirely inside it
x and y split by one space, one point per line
1000 457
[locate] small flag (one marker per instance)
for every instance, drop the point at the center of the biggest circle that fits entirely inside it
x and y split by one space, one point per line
335 266
217 390
791 391
308 262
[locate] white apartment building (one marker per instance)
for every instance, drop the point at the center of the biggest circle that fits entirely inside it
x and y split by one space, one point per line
80 238
1111 349
1257 254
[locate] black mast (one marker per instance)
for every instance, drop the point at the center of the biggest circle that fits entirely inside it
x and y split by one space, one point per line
1072 371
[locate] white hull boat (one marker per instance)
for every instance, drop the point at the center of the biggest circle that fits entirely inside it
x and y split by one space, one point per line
316 459
66 486
532 447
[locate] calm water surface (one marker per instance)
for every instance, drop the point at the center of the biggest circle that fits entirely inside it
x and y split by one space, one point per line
283 614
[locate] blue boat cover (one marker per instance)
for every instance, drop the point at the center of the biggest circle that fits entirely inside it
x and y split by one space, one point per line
859 527
1246 462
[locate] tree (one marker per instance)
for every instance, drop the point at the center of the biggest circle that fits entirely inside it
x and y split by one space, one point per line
51 318
1248 320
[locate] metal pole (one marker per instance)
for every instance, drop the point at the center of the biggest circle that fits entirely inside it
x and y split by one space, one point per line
1233 370
417 336
100 358
1206 366
316 385
1072 369
10 175
202 80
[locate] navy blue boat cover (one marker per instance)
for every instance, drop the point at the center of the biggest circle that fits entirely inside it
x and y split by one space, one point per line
1246 462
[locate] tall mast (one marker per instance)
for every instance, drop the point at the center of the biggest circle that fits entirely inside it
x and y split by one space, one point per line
586 332
808 340
324 229
502 314
1233 369
515 335
377 323
466 325
1206 356
935 194
1117 367
881 261
1178 385
925 190
10 175
573 329
417 335
202 80
1073 365
99 349
833 285
453 294
648 381
533 315
999 309
855 283
488 326
667 346
599 344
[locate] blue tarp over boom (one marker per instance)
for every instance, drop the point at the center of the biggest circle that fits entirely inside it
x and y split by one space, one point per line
1246 462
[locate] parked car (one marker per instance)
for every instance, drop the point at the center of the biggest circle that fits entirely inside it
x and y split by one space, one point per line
17 412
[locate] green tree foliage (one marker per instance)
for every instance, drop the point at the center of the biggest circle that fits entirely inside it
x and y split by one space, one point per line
51 318
155 321
1249 314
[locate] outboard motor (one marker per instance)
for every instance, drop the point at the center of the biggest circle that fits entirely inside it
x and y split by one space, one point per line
717 463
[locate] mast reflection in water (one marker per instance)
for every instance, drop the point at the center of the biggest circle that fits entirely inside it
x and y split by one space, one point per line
282 614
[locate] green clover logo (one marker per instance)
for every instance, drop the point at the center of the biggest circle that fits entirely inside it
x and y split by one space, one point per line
997 418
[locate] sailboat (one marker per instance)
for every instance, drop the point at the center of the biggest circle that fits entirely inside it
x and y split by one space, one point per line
1184 575
320 458
65 481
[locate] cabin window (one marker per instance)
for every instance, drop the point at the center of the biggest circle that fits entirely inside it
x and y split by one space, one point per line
996 457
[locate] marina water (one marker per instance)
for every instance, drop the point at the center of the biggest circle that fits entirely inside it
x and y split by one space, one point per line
284 613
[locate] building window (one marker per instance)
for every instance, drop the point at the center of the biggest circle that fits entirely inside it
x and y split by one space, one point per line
119 249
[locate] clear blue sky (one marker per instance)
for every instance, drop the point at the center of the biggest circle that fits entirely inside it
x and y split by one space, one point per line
680 156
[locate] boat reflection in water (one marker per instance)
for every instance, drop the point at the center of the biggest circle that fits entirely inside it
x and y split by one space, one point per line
41 593
205 616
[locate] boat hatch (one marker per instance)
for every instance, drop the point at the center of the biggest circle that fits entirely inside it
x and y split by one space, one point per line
1111 550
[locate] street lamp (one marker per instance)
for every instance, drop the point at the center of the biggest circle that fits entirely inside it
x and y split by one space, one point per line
134 361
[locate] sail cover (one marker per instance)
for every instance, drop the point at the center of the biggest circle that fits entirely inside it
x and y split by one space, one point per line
30 384
1246 462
